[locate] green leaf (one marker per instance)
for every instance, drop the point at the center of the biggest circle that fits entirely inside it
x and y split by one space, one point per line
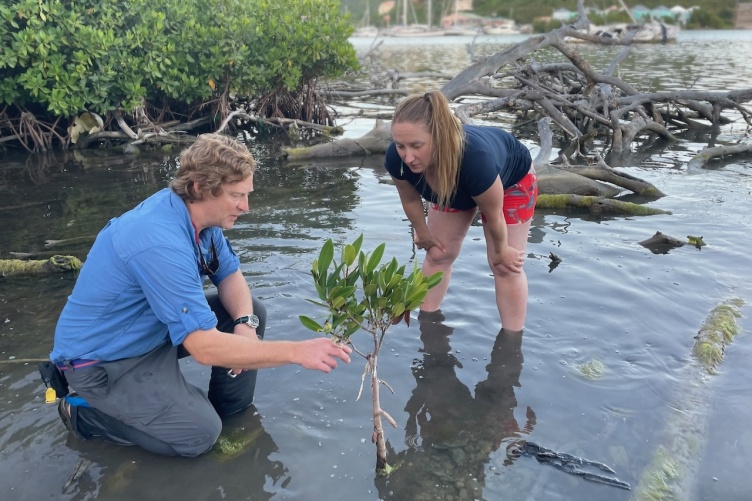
434 279
351 329
349 255
375 258
338 302
326 256
310 323
358 243
418 295
320 290
398 309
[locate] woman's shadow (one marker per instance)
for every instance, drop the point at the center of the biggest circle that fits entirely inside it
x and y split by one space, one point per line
452 434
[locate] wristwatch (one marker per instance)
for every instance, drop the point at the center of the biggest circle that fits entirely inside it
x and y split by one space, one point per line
251 320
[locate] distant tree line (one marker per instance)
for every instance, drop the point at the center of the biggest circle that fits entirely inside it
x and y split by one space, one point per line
711 14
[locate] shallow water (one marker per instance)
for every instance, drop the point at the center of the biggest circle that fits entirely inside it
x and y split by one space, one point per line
463 391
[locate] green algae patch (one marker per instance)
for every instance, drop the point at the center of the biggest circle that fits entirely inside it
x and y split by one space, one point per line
55 264
671 474
656 483
595 204
232 443
563 201
593 369
718 330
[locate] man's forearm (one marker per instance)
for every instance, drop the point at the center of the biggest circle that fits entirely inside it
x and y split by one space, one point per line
240 352
235 295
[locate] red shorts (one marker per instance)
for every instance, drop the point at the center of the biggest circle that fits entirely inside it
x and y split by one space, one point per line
519 200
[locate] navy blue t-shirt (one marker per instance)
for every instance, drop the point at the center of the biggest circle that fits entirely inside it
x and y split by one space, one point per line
489 152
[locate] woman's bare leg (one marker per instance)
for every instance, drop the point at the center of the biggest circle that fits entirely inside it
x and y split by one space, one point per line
511 288
449 228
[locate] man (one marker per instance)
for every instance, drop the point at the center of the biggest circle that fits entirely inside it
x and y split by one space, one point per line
139 304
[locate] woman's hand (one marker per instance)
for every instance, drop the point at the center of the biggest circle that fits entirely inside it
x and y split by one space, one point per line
509 260
426 241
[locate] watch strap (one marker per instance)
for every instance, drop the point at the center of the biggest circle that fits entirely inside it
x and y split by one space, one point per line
251 320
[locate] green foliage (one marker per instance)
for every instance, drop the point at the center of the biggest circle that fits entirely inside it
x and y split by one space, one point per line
360 294
705 19
544 26
68 56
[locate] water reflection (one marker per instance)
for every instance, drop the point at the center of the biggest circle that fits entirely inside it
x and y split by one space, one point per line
242 458
453 434
67 197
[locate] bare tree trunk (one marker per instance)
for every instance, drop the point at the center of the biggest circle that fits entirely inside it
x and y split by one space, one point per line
378 428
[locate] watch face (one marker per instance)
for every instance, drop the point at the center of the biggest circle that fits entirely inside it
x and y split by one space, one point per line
253 321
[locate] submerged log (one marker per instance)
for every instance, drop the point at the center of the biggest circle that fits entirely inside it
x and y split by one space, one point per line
55 264
374 142
596 205
672 471
660 242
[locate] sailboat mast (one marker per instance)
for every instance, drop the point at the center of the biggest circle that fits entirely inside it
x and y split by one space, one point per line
626 9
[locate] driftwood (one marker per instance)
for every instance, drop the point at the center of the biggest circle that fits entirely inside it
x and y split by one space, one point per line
559 188
240 116
596 205
55 264
373 142
699 160
661 243
591 110
70 241
599 103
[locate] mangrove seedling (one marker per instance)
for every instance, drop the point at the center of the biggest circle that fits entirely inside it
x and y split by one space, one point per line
359 296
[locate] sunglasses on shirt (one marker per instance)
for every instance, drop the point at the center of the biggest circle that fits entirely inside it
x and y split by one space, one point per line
213 266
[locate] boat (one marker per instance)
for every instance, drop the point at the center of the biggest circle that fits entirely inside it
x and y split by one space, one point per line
413 30
502 27
365 29
366 32
459 31
457 28
651 32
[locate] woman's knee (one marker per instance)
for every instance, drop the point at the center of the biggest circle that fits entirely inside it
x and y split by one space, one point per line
439 258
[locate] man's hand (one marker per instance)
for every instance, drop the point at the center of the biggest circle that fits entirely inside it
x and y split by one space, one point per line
322 354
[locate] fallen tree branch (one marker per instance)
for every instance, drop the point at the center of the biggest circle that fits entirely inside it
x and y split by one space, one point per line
700 159
596 205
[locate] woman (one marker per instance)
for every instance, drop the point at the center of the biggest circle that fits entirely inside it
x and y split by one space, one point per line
459 170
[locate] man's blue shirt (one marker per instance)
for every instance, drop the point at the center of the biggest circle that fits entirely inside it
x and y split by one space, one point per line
141 284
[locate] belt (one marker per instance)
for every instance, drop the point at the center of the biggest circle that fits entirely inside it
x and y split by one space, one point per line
76 364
